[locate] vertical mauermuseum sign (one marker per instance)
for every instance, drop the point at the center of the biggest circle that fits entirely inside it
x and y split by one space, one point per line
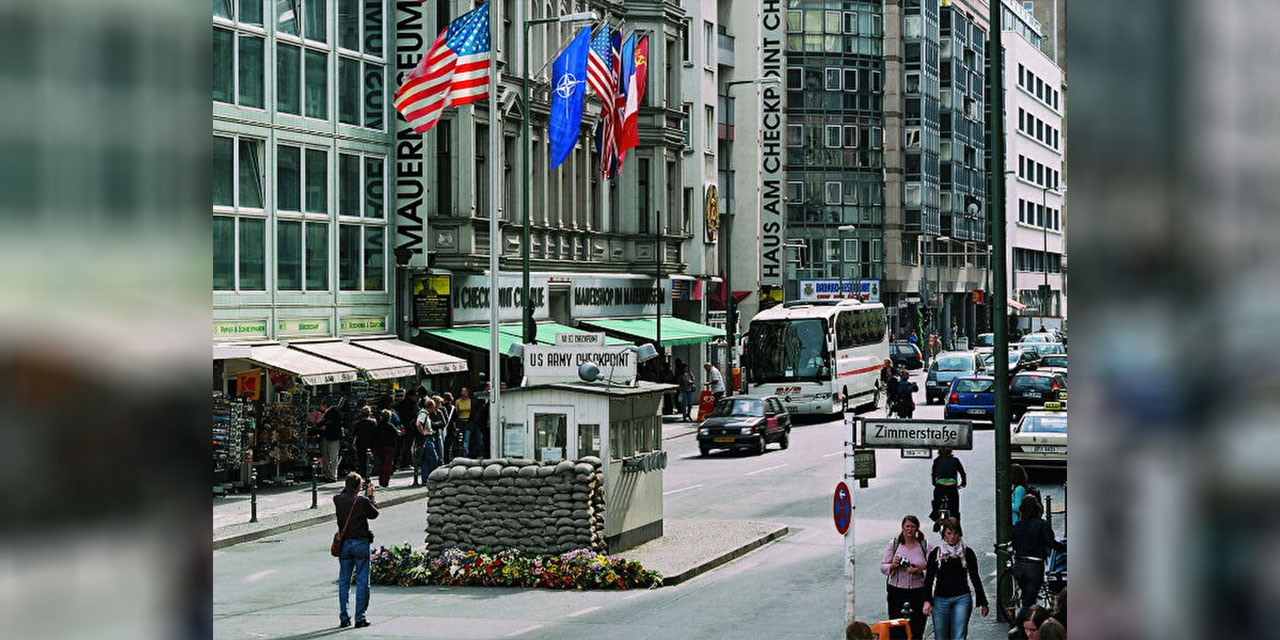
363 324
240 329
410 154
772 149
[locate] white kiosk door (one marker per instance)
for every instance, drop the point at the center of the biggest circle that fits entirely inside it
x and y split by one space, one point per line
555 432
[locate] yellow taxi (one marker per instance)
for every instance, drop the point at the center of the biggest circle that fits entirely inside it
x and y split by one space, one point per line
1040 437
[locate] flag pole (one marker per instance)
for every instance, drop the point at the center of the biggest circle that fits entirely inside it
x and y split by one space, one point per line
495 244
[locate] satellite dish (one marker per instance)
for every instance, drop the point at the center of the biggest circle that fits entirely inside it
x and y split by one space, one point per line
589 372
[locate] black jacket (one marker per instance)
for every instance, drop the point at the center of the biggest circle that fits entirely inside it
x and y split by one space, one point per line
332 423
365 428
948 467
1033 537
386 435
366 510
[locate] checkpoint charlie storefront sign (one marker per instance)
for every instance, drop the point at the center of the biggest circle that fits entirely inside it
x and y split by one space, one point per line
590 297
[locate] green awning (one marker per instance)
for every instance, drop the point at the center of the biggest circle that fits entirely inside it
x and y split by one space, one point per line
508 334
674 330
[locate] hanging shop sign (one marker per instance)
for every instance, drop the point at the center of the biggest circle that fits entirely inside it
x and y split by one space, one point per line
303 327
580 340
590 297
363 324
619 297
411 167
772 150
249 384
712 215
433 301
866 290
240 329
470 298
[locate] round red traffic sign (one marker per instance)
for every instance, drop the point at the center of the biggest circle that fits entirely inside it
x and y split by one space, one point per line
842 507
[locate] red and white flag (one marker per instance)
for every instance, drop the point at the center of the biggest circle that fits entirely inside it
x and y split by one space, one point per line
629 136
455 71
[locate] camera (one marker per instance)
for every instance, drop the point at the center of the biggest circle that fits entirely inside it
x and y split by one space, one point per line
903 562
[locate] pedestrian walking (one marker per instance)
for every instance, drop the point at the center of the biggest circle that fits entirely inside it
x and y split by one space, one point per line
951 568
331 434
1032 540
441 424
688 393
365 428
407 409
354 512
479 446
888 384
427 454
668 397
385 439
1018 476
947 477
903 565
715 381
463 418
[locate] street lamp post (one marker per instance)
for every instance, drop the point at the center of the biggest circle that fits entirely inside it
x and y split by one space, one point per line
731 303
526 302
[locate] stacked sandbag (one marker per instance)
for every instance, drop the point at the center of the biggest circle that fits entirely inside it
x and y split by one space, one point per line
539 509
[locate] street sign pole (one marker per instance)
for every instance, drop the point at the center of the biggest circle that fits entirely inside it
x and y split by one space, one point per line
851 436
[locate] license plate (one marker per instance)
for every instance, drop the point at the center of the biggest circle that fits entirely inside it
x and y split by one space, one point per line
1044 449
977 411
731 440
1032 394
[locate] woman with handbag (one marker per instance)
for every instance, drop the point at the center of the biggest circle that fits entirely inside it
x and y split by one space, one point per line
903 564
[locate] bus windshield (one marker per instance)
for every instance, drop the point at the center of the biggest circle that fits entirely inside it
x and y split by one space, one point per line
789 350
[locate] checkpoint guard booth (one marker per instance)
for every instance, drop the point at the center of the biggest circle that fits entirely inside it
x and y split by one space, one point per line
583 399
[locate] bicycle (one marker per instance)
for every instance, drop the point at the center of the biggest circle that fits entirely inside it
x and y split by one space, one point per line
942 504
1055 580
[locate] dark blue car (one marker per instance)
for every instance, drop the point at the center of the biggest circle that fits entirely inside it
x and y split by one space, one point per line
971 398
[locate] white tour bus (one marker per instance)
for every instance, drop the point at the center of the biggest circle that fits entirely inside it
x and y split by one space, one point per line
818 357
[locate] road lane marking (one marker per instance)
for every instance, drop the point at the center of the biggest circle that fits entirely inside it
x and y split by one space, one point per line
254 577
778 466
635 595
679 490
828 455
524 630
582 613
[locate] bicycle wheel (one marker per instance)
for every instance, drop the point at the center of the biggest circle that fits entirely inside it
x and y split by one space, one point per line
1009 605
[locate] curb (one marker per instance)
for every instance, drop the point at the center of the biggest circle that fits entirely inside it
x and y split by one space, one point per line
725 558
691 432
250 536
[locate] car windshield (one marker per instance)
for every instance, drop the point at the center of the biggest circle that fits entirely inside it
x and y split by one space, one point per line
985 340
1043 424
953 363
989 359
1054 361
1035 338
1032 382
739 407
974 385
787 350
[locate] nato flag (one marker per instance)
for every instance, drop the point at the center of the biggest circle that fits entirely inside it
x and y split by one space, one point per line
568 88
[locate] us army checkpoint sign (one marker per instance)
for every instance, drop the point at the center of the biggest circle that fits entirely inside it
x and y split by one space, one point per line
917 434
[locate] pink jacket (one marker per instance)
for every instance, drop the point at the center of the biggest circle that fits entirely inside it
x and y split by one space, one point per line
900 577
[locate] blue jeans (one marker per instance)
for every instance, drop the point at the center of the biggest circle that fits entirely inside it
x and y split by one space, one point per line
951 617
428 457
354 557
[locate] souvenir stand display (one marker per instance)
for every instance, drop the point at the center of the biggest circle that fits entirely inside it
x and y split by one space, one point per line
233 433
282 439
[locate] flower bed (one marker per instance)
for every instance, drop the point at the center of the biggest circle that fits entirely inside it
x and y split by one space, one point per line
581 569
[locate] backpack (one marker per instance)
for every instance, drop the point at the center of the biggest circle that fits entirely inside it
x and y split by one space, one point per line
1032 491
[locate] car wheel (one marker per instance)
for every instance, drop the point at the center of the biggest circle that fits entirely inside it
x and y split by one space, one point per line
760 445
704 450
785 441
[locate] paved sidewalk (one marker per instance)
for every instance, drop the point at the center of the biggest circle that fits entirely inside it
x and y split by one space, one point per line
688 548
674 427
282 509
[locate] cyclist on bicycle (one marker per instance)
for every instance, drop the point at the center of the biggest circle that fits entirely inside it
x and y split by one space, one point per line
1032 540
948 477
905 405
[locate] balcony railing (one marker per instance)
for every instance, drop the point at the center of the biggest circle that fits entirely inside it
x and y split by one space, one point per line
725 46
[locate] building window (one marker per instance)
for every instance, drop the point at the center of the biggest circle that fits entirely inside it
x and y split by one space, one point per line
710 113
795 79
795 192
833 79
877 137
850 22
833 136
851 135
709 38
795 135
239 242
850 79
833 192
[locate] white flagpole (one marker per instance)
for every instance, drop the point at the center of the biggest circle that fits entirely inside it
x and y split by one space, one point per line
495 244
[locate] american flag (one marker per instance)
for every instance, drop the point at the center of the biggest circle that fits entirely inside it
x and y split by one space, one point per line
454 72
599 60
610 159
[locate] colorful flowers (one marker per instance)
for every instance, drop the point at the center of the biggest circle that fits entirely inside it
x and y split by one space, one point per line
580 569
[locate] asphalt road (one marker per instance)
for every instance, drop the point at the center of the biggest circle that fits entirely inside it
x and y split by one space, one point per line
284 586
